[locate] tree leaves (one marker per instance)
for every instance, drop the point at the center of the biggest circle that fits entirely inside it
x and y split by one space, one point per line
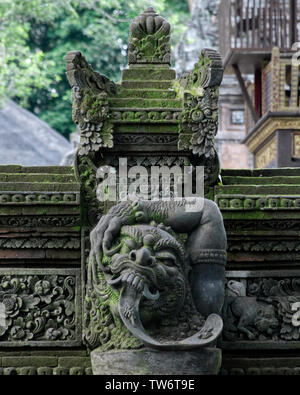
35 35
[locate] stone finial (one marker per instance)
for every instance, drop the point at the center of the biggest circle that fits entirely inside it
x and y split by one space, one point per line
149 39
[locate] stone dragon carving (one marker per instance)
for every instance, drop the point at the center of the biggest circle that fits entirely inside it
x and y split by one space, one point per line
90 91
138 276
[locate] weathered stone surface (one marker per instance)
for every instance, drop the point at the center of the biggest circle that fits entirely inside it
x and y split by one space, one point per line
59 371
185 313
76 371
42 308
77 361
44 371
29 361
27 371
148 73
206 361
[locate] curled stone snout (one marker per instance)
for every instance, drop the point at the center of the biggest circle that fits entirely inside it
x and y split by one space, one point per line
142 257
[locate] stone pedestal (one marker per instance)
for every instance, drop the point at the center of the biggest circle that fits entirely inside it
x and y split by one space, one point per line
205 361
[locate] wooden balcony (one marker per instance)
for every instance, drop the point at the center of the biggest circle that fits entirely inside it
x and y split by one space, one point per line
249 29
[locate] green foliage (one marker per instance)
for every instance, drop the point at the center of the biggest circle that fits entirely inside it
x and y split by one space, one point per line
35 35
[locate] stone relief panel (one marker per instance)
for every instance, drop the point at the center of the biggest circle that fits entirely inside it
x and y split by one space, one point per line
267 154
257 202
40 307
32 197
262 308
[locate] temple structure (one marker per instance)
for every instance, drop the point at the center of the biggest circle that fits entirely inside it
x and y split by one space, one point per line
261 39
202 32
75 255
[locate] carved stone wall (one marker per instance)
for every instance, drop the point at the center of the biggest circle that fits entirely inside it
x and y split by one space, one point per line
261 214
40 272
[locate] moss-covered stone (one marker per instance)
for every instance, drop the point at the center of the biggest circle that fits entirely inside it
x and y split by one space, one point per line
146 93
258 189
37 177
279 180
44 209
292 171
148 73
146 84
29 361
146 128
257 215
69 362
40 186
145 103
36 169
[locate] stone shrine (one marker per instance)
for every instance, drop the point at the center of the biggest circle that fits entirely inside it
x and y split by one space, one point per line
151 119
80 273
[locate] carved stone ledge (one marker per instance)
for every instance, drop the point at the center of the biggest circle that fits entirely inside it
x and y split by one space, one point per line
143 139
216 257
150 362
254 371
125 115
236 226
45 371
57 221
257 202
70 243
29 198
263 246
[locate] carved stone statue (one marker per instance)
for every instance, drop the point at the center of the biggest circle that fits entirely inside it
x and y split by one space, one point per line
147 286
247 317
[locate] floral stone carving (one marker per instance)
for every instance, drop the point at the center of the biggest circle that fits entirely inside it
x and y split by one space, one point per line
90 105
141 275
37 308
200 88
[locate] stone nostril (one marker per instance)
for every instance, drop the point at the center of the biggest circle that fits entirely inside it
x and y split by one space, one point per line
151 260
132 255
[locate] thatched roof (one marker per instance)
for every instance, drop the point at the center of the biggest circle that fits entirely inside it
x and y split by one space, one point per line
27 140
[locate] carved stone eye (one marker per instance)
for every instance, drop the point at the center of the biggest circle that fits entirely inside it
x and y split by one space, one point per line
168 262
149 240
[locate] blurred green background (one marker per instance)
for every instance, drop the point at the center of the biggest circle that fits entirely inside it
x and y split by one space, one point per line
35 35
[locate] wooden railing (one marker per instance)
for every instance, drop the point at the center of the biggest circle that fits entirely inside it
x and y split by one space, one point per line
280 87
257 24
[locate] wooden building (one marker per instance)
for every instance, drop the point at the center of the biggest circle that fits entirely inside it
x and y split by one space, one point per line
260 38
